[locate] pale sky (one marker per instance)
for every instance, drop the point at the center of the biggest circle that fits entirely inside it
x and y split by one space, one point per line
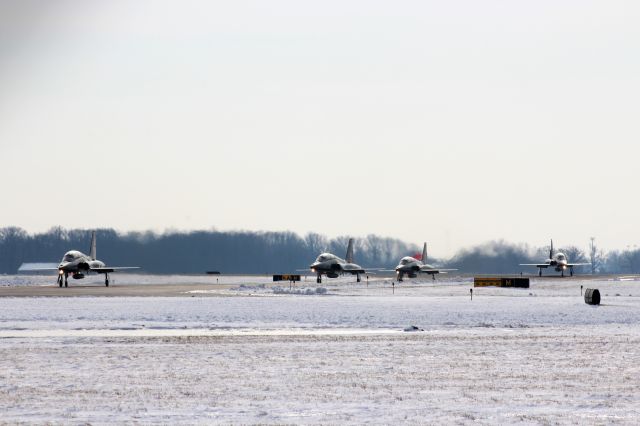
453 122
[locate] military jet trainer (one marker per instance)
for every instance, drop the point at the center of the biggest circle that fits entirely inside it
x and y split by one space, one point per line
78 264
559 261
412 267
332 266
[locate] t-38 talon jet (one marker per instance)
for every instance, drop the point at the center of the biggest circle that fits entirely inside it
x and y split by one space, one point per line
332 266
79 264
558 261
411 266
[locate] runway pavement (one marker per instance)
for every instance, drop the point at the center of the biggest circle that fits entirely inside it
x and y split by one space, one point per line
139 285
146 290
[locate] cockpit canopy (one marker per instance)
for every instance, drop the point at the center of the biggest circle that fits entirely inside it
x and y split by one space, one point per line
72 255
561 256
326 256
406 260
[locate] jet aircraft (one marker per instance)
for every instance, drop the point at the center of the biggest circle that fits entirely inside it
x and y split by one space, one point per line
79 264
332 266
558 261
411 266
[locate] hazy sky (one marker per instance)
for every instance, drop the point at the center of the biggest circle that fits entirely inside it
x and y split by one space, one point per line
454 122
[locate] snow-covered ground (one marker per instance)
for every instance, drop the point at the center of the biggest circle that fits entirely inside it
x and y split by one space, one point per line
333 352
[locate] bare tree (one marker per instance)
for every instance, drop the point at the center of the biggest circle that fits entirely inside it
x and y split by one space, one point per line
592 255
316 243
597 257
631 258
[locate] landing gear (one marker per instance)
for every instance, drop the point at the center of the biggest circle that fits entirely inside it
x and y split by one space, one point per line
60 280
562 273
319 279
66 279
106 280
400 276
540 272
571 271
357 277
433 277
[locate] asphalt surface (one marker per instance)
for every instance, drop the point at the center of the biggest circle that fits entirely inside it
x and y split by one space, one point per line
171 290
146 290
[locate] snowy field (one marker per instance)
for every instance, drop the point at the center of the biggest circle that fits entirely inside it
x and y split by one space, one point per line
246 351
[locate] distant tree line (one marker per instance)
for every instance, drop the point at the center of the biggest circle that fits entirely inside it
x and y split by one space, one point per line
230 252
237 252
503 257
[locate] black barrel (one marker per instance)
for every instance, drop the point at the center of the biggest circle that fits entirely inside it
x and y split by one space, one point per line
592 296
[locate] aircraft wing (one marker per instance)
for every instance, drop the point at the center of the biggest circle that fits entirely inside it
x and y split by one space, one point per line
435 270
352 268
107 269
578 264
380 269
28 267
537 265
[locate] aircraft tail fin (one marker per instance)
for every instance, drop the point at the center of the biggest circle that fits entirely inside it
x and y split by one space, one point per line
92 250
349 256
424 253
551 250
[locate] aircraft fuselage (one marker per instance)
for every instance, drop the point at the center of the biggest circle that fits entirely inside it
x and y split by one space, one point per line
410 266
559 262
332 266
77 264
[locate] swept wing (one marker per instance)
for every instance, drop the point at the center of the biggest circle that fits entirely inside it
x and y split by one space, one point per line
430 270
38 266
108 269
